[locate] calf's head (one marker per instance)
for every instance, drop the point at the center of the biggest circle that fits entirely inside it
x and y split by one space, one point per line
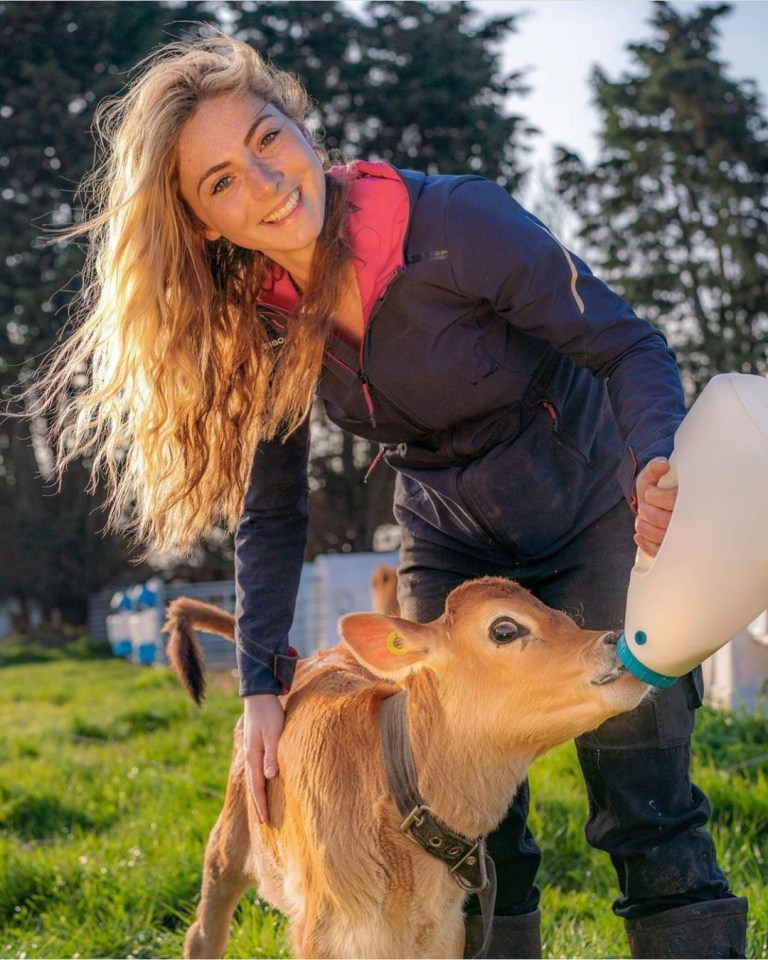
521 673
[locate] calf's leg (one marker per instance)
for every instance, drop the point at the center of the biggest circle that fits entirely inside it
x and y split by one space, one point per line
224 880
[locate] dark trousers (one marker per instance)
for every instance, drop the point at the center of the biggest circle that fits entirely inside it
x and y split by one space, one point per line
643 809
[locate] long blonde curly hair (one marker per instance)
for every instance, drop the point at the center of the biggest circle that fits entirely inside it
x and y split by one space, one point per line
167 384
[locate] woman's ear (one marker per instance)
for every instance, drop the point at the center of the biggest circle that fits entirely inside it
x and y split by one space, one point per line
211 235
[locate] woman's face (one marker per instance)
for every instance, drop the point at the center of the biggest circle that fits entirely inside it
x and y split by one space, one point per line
251 176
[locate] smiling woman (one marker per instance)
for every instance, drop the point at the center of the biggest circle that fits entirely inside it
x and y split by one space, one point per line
234 275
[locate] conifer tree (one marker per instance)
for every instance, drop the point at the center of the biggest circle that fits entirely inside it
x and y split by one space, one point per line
675 212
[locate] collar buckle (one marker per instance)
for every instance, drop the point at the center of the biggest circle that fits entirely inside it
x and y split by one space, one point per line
414 819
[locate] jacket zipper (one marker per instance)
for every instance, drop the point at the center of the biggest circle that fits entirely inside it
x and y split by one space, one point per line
552 411
562 438
364 385
374 463
368 399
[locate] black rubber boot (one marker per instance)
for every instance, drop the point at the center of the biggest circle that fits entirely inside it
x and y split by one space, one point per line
712 928
513 938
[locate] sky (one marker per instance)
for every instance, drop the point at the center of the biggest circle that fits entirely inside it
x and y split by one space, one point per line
561 40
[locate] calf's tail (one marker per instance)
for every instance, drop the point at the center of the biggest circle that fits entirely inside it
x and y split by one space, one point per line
184 652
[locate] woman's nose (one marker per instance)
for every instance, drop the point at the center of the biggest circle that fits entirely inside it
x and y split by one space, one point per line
263 178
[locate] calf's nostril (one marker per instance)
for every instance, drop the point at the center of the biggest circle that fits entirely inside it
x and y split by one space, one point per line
611 638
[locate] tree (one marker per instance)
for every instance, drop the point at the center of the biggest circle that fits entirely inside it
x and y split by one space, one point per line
416 84
435 97
675 212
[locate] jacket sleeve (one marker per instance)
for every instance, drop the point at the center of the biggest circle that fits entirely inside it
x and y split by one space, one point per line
269 551
502 254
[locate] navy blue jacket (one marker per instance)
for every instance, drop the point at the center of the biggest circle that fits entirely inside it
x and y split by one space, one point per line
513 392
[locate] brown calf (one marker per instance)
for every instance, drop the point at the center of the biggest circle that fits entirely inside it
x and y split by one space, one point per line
495 682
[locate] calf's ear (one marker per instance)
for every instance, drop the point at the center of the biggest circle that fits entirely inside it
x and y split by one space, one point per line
389 646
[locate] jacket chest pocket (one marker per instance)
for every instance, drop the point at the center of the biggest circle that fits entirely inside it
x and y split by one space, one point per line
442 374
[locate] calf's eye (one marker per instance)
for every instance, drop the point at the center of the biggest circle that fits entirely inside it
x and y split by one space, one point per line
506 631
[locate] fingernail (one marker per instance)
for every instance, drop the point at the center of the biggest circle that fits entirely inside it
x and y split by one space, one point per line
270 771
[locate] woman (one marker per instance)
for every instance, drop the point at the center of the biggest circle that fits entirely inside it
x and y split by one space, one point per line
234 276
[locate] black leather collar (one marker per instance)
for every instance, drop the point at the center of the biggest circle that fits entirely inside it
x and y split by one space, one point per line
466 858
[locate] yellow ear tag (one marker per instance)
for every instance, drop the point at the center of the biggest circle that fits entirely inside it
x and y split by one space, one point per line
396 645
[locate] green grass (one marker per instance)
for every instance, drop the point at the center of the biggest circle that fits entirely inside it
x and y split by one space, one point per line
110 780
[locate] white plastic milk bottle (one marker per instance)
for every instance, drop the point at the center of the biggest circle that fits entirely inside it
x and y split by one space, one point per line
710 576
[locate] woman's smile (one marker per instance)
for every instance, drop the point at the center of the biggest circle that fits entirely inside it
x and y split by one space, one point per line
283 213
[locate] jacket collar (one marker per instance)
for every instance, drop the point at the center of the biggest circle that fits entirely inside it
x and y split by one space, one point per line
378 225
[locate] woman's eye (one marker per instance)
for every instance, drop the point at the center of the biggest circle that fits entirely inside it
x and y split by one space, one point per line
221 184
269 138
505 631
